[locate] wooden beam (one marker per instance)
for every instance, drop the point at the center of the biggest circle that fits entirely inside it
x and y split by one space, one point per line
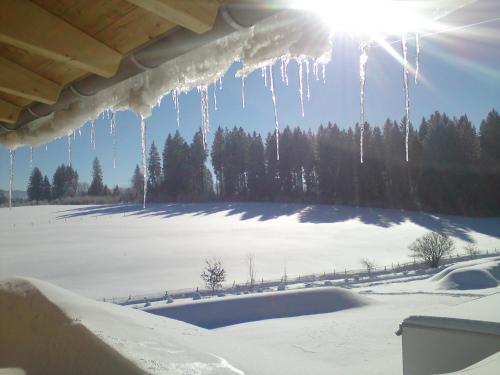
9 112
25 25
198 16
19 81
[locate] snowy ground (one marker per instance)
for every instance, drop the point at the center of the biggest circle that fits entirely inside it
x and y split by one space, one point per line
357 338
115 251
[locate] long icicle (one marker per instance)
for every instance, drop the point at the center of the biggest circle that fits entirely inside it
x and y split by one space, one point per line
277 129
407 95
113 135
215 95
203 90
363 58
175 98
144 162
307 81
12 157
417 59
69 148
301 88
92 134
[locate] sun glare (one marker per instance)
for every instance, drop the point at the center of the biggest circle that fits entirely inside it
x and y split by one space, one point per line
372 18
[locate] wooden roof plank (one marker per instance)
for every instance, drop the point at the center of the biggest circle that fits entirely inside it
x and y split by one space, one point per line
9 112
24 83
198 16
26 25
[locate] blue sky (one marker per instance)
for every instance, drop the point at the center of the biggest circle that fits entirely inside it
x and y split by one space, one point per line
461 73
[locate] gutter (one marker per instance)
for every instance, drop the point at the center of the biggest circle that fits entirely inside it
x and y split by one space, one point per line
231 17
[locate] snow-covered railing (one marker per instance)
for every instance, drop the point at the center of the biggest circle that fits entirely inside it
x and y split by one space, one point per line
345 276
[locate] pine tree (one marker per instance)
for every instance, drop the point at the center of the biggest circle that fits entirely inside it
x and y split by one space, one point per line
35 186
64 182
154 172
96 186
198 180
46 189
176 166
137 182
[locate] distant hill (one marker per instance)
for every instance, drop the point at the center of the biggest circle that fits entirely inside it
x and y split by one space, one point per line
16 194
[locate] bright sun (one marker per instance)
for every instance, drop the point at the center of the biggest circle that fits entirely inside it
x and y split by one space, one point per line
377 18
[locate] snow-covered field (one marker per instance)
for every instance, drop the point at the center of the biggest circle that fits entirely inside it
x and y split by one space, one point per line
115 251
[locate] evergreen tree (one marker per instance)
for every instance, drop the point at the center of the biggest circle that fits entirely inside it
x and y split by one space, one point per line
176 166
96 186
46 189
137 182
256 173
489 139
64 182
35 186
154 173
200 186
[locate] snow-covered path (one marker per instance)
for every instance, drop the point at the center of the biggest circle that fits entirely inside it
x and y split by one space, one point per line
114 251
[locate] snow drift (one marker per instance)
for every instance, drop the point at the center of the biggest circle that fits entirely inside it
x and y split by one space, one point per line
215 313
48 330
469 276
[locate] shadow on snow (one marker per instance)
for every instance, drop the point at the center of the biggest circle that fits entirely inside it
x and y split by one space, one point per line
456 226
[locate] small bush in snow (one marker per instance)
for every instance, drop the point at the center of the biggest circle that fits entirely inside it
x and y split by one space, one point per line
432 247
328 283
471 250
368 265
281 287
214 274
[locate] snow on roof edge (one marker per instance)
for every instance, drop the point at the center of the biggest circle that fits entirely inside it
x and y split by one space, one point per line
285 35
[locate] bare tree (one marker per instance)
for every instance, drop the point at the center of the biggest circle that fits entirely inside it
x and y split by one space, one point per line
251 270
471 250
369 265
213 274
432 247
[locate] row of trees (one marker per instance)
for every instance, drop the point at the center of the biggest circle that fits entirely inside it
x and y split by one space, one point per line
451 168
65 183
180 174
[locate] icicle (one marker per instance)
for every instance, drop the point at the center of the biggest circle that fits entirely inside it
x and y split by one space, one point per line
287 60
307 81
264 74
92 134
203 90
324 73
175 98
46 147
315 70
31 157
363 58
407 95
220 83
282 69
12 156
113 135
79 132
215 96
74 135
301 89
243 91
417 59
144 163
69 148
277 129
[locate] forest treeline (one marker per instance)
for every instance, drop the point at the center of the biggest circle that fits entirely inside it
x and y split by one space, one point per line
452 167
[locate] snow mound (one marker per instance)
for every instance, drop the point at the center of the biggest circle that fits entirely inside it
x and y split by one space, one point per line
469 276
215 313
48 330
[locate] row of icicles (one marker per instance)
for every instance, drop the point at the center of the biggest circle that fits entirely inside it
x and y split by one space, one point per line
268 77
